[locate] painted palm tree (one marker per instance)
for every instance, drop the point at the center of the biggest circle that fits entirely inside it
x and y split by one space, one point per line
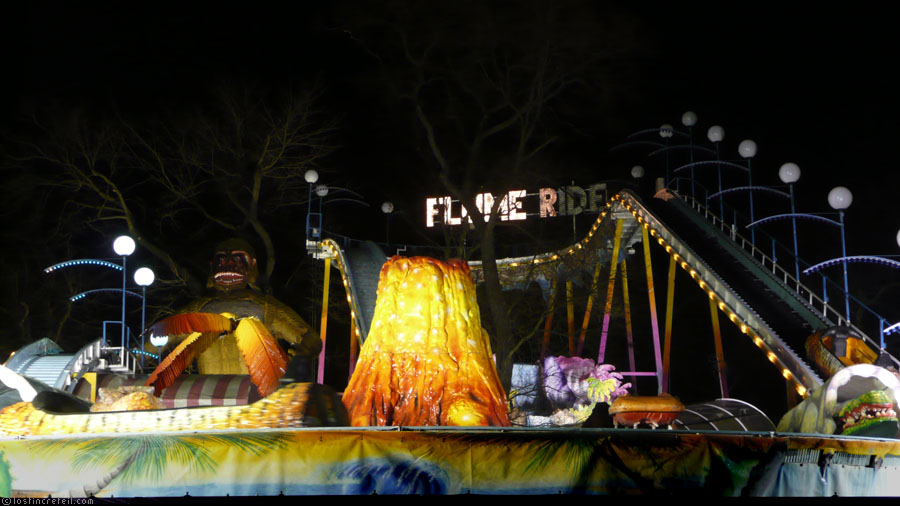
265 359
145 458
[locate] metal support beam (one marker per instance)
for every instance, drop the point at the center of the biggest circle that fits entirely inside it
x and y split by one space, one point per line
628 332
654 320
324 326
670 304
720 354
614 262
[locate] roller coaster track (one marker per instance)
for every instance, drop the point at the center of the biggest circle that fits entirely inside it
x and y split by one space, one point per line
775 310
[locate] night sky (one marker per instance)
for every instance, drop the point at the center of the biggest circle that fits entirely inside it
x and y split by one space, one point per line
809 85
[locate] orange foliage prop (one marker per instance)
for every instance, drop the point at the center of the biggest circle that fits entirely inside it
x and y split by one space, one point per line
179 359
426 361
265 359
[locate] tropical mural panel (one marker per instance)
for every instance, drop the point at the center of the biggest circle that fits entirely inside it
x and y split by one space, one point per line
317 461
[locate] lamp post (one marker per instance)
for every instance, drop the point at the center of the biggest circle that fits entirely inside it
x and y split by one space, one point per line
143 277
689 119
789 173
840 198
747 149
666 131
715 134
387 208
123 246
311 176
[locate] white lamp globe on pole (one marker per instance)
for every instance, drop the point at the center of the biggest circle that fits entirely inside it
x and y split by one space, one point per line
144 277
840 198
637 172
123 246
747 148
689 119
311 176
715 133
666 131
789 173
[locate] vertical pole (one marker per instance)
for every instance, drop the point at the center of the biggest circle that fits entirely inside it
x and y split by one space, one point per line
752 219
545 343
670 304
844 255
570 314
308 210
720 354
143 321
613 264
721 199
628 331
691 154
794 223
323 329
651 295
124 280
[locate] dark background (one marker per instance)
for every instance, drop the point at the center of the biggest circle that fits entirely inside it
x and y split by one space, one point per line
809 85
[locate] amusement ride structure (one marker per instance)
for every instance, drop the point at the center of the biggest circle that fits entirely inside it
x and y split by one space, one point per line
424 411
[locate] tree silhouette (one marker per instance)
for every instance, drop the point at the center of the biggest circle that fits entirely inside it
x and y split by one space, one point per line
177 180
484 88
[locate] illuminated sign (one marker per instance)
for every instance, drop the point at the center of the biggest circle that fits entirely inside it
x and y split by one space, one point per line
518 205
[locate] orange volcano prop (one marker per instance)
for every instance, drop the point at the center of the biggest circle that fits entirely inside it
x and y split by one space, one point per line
426 361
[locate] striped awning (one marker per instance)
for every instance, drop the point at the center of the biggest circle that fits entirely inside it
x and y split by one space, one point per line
187 391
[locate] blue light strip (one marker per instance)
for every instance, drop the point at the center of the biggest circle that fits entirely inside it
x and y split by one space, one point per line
893 328
681 146
854 259
813 217
83 261
79 296
751 188
713 162
145 353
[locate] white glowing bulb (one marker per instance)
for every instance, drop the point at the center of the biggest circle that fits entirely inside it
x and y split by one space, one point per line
123 245
840 198
789 173
321 190
666 131
637 172
387 207
311 176
747 148
715 133
144 276
158 341
689 119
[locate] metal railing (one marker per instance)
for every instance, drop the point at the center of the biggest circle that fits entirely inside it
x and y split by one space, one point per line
790 282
